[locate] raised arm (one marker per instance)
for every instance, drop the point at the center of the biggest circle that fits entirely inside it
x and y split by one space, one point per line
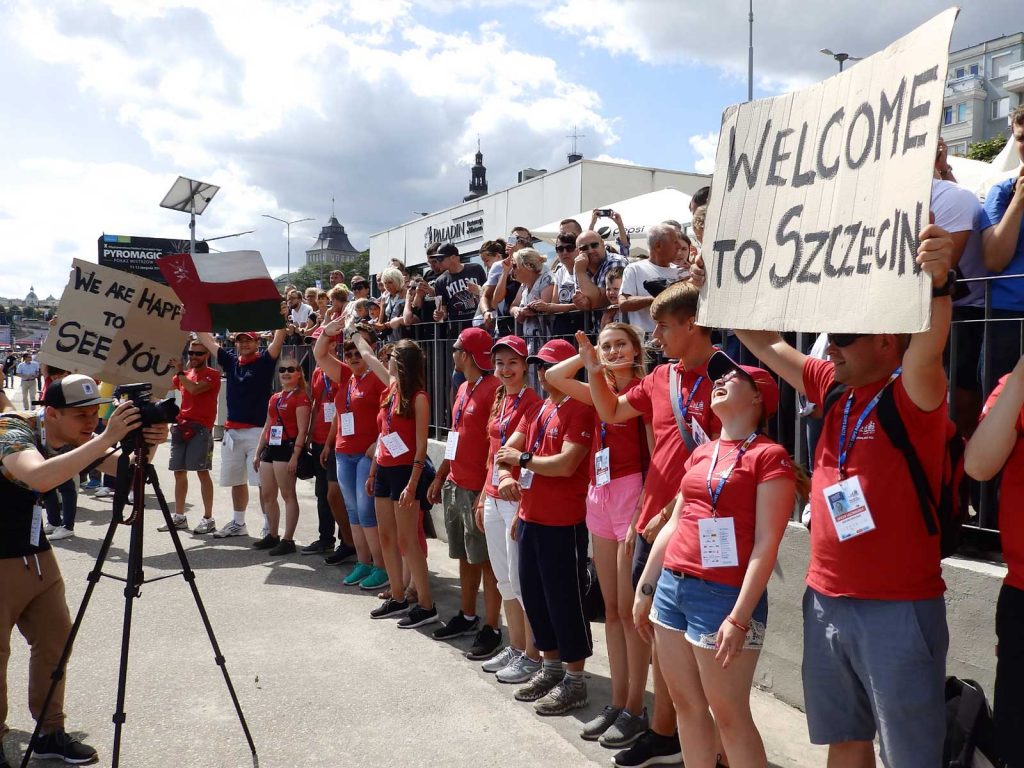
375 365
923 375
991 443
207 340
773 352
612 408
274 350
331 365
563 378
999 242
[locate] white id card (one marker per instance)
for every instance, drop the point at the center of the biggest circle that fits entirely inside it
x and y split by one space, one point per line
718 542
451 446
394 443
848 509
526 478
602 467
329 410
494 474
348 424
37 526
699 435
276 433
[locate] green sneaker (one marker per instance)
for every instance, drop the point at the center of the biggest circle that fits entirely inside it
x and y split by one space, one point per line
360 572
377 579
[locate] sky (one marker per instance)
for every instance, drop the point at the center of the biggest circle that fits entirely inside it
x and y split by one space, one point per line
376 104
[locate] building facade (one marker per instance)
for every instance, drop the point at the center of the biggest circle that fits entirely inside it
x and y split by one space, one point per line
984 84
332 246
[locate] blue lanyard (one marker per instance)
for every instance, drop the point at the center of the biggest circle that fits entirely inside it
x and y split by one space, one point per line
503 420
348 394
327 387
684 408
462 403
390 405
604 431
544 428
844 446
724 477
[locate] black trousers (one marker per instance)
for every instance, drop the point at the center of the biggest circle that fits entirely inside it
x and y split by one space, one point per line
1009 701
325 517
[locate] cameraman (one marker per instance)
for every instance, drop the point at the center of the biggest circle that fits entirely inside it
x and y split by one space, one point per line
32 597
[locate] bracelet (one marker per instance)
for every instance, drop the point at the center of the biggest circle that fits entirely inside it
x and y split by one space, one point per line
736 624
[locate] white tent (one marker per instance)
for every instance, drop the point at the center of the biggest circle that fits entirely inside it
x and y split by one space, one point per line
979 176
638 213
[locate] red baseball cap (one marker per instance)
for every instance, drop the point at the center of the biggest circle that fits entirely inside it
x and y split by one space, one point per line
555 351
721 364
514 343
476 342
251 334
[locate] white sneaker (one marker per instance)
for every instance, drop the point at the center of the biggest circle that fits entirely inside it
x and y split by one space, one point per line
502 660
519 671
206 525
180 523
232 529
60 532
49 529
103 493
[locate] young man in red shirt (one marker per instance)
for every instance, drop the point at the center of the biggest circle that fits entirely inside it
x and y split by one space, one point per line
675 399
875 634
459 482
192 436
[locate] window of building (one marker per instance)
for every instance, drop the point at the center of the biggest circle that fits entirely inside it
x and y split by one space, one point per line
961 113
974 69
958 73
1000 64
947 115
1001 107
959 149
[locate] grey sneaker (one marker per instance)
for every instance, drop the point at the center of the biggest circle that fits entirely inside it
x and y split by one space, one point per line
48 529
206 525
539 686
593 729
231 529
566 696
502 660
626 729
520 670
180 522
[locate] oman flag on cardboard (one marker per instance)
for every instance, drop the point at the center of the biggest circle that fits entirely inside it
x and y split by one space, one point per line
230 290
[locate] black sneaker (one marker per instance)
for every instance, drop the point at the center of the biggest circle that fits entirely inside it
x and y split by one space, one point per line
650 749
418 616
60 746
284 547
390 608
486 644
267 542
318 547
457 626
341 555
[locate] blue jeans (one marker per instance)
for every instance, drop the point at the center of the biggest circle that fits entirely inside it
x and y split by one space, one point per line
698 608
62 511
353 469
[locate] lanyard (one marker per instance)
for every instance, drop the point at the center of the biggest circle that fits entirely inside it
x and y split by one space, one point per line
544 428
327 387
604 431
285 396
390 411
503 420
684 408
724 477
844 446
348 392
462 403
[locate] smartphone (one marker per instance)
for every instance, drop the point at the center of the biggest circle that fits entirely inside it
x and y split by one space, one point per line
604 212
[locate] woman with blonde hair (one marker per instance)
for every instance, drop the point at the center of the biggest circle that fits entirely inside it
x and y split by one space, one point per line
530 270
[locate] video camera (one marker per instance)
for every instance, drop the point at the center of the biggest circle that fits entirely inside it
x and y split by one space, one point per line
162 412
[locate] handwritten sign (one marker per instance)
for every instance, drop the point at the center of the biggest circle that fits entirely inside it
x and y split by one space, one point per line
818 198
116 327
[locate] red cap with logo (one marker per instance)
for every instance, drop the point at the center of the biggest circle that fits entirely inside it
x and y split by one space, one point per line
476 343
555 351
514 343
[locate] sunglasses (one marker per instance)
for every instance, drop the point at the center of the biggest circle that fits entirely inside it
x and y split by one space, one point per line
588 246
844 339
564 248
287 369
352 355
544 366
196 354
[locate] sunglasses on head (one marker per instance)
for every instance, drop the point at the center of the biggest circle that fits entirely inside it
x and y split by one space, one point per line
588 246
844 339
287 369
564 248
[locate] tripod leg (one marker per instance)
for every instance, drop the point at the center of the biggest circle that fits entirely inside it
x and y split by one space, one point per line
190 578
58 673
133 585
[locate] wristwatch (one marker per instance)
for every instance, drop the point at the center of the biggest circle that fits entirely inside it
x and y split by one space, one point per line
947 289
524 458
647 589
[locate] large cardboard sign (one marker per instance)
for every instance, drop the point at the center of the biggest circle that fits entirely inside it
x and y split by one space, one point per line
818 197
116 327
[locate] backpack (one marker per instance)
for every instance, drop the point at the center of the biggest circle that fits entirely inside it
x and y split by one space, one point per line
968 727
944 518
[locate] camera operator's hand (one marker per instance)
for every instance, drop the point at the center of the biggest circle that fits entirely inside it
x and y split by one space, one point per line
123 420
156 435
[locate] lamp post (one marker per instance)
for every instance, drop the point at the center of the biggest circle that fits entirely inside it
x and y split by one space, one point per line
288 225
842 58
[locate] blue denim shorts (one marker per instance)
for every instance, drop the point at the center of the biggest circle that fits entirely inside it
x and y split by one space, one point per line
698 607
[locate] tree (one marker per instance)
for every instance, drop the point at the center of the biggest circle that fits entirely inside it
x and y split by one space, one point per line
29 313
986 150
308 274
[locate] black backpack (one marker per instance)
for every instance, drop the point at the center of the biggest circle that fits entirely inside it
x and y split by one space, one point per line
969 730
944 518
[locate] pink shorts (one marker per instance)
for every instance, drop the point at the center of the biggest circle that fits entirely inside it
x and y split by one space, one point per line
610 508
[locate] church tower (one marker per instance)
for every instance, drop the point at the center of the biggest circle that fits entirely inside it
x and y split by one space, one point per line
478 181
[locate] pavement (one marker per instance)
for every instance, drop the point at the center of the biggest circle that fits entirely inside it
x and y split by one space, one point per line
320 683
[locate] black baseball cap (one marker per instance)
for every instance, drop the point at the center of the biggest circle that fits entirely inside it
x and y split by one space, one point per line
73 391
446 250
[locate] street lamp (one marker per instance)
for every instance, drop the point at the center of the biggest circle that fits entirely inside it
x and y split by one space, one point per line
842 58
288 224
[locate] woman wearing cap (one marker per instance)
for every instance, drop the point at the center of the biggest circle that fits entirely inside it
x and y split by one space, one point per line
613 505
277 456
513 402
535 285
704 586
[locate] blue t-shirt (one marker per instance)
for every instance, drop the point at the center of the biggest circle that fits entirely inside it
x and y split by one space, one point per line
249 387
1007 294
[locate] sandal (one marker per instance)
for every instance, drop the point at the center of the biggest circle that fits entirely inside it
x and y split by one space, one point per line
385 595
411 595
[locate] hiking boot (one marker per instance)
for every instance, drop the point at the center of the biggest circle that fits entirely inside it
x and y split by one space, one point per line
540 685
457 626
206 525
626 729
390 609
284 547
502 660
231 529
593 729
357 574
418 616
267 542
486 644
378 579
650 749
180 523
568 695
60 746
520 670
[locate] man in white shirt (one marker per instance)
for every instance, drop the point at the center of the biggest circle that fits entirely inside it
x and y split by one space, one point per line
28 371
663 243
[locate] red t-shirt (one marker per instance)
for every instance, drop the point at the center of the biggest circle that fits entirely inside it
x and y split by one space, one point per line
651 398
283 410
510 418
627 443
473 405
1011 496
325 391
762 461
558 500
361 396
897 560
202 407
388 421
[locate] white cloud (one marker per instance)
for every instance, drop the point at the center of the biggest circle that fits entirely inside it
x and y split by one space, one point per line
705 146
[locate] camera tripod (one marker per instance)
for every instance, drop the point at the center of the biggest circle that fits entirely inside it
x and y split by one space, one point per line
134 471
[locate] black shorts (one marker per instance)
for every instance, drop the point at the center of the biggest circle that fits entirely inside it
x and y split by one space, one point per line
1009 704
282 452
389 482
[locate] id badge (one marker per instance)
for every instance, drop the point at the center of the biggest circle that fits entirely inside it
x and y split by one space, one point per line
848 509
394 443
699 435
276 435
451 446
525 479
602 467
348 424
494 474
329 410
718 542
37 526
